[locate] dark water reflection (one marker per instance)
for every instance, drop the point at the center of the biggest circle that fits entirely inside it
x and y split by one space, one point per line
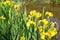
54 8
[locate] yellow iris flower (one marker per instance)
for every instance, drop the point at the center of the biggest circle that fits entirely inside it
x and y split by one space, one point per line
42 34
40 28
48 34
53 32
16 6
22 38
2 17
38 14
6 2
33 12
52 24
49 14
29 23
45 21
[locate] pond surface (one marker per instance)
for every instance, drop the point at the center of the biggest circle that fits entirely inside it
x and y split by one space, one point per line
54 8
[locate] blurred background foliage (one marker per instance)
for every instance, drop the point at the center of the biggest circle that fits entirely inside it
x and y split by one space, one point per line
41 1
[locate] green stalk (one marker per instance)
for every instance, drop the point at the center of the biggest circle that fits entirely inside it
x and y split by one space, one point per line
43 12
56 1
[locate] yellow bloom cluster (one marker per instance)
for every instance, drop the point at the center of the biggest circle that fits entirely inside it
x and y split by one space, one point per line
49 33
44 31
35 13
45 22
45 27
11 3
53 32
6 2
16 6
22 38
